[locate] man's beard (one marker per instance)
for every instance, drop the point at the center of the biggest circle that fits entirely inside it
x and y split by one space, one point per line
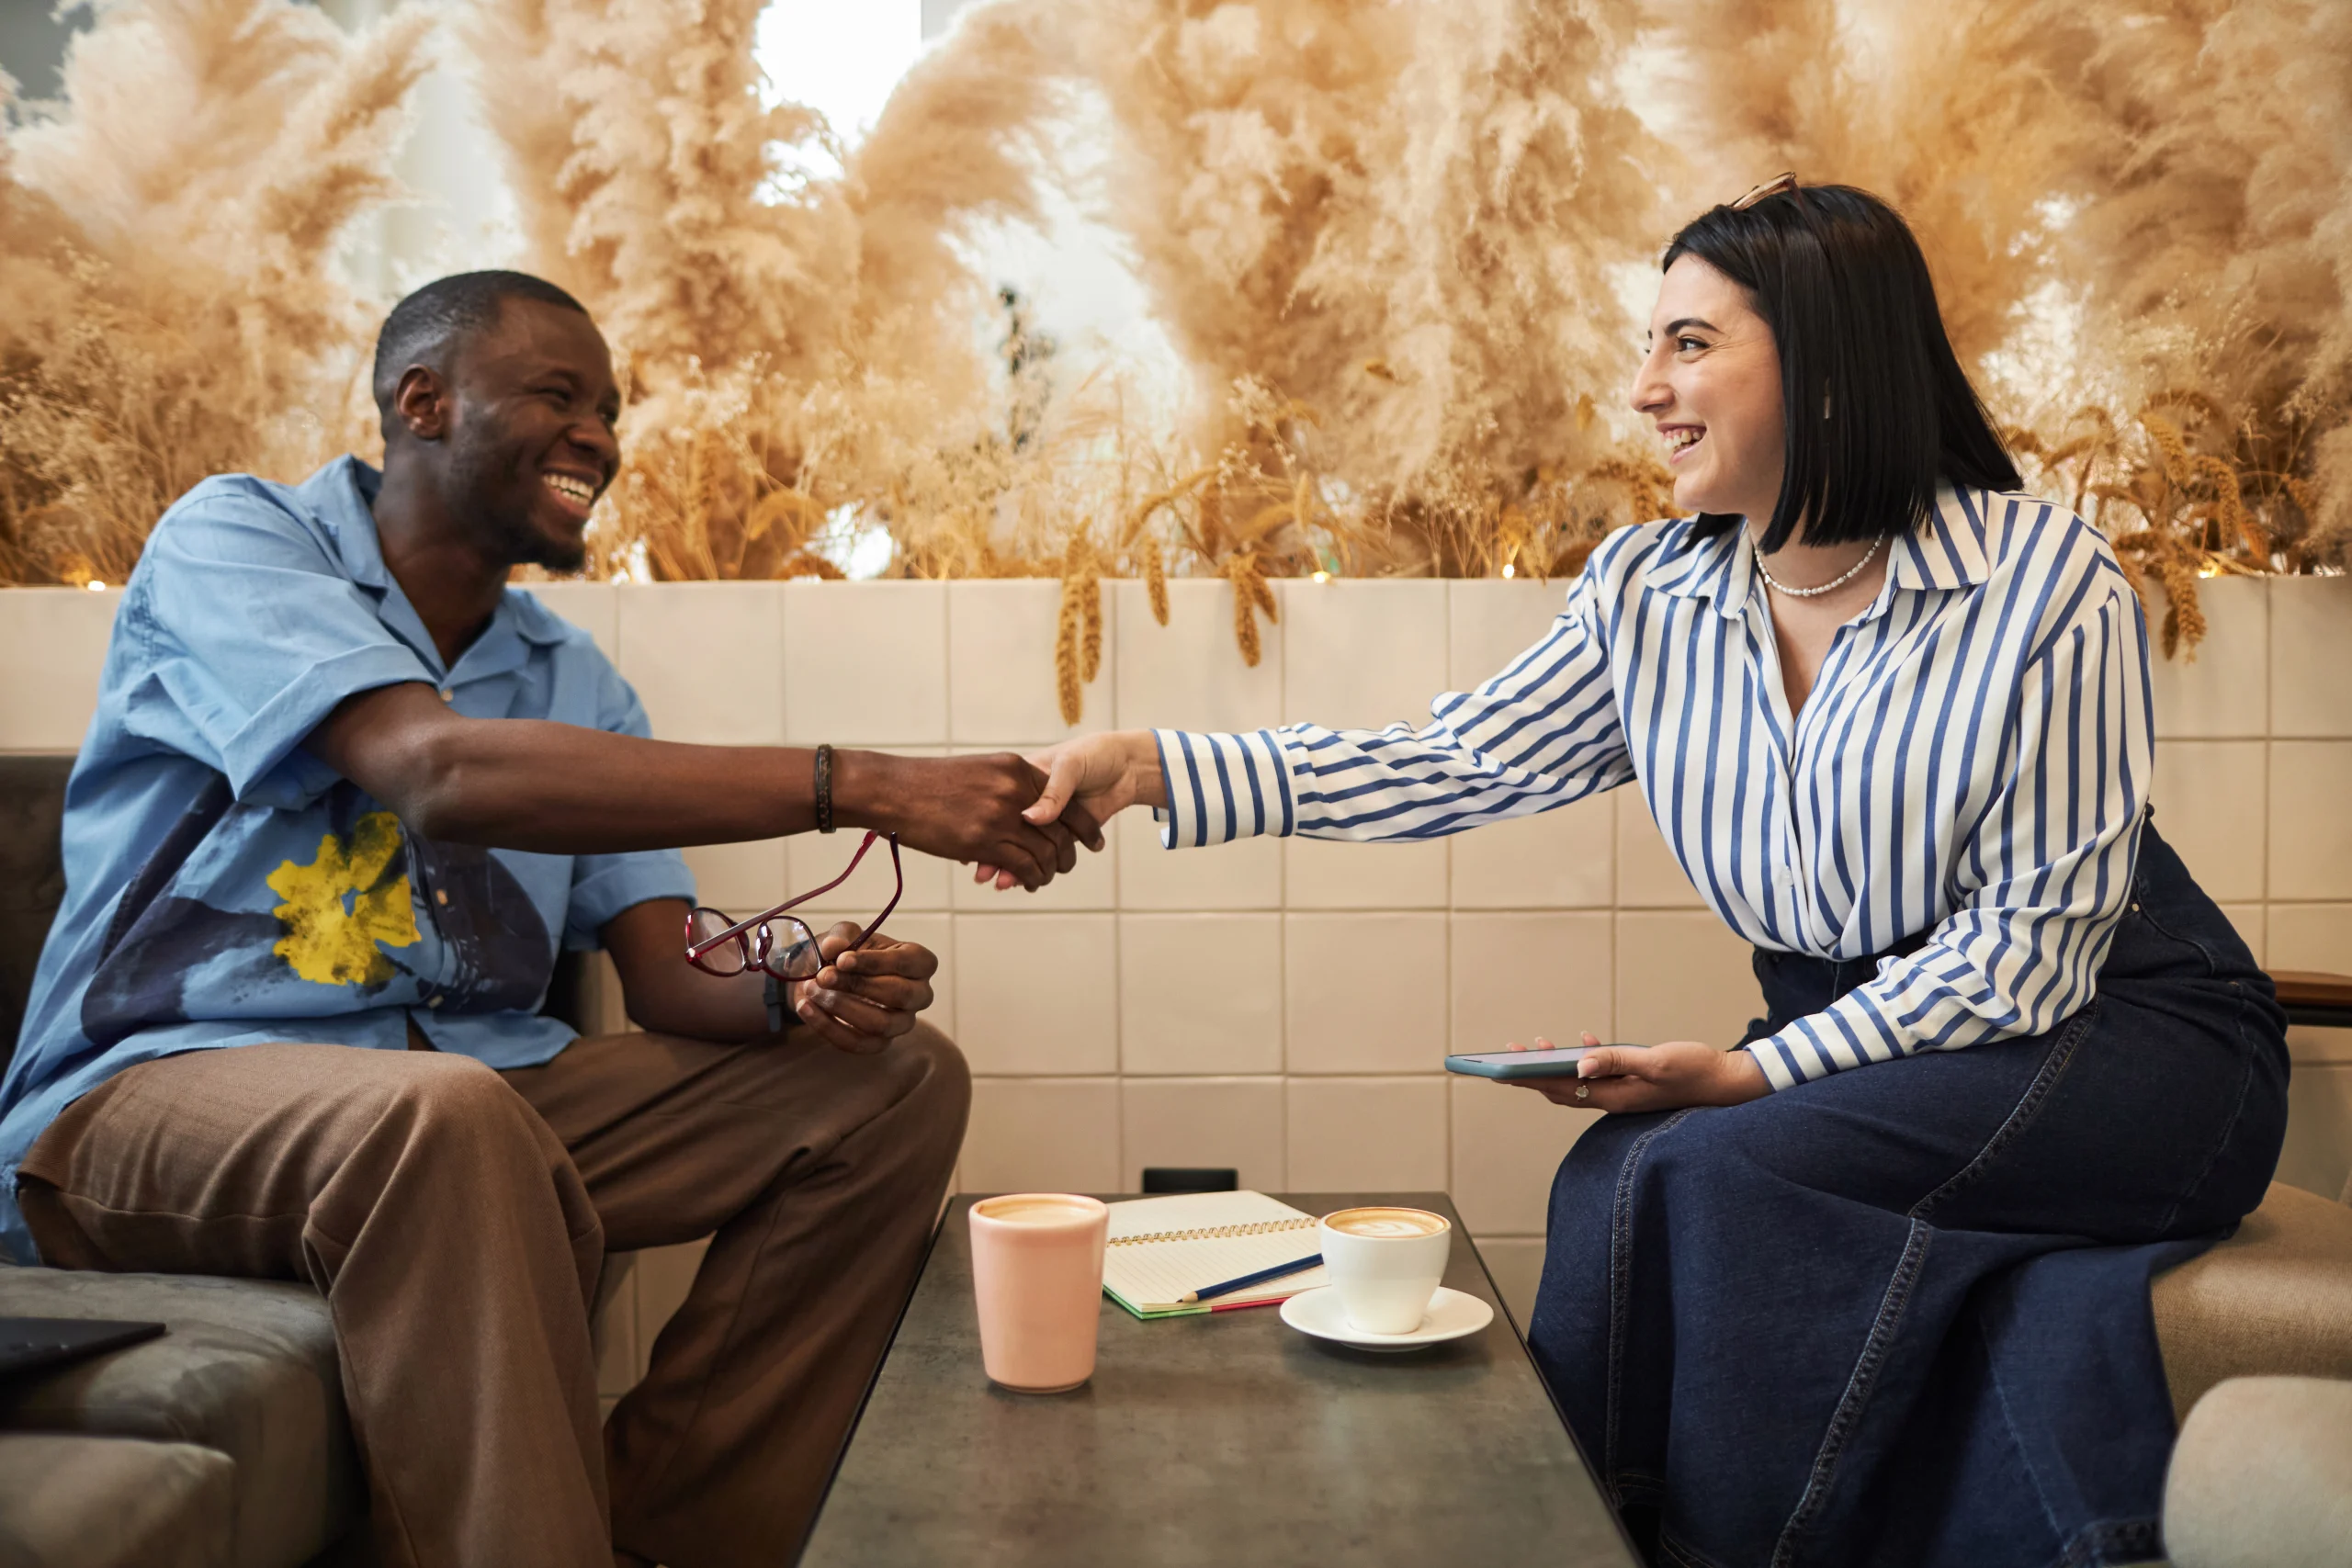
566 555
481 484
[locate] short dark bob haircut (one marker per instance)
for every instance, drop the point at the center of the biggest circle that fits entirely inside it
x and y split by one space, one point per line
1878 409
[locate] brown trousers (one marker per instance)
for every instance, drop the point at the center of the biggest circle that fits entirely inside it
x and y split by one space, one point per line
456 1220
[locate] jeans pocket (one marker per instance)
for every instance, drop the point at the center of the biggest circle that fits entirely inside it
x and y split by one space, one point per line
2182 933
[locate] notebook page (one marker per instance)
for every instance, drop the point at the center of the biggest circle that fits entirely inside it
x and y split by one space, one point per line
1158 1274
1174 1258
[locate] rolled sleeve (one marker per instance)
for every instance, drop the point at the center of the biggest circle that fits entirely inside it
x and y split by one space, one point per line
603 885
242 691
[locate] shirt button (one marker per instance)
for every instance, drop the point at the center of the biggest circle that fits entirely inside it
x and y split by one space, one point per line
441 896
1785 877
448 694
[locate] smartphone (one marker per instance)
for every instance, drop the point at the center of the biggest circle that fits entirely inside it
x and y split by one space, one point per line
1511 1065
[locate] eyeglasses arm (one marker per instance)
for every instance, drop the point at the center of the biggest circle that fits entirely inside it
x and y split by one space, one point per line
740 926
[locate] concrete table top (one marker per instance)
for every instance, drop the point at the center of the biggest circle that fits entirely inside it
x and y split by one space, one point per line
1225 1439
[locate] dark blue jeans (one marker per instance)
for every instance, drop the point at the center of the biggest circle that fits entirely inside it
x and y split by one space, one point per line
1900 1314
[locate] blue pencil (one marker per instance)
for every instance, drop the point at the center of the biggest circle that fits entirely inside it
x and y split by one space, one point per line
1259 1278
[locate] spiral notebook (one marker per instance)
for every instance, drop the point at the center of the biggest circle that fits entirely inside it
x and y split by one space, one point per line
1162 1249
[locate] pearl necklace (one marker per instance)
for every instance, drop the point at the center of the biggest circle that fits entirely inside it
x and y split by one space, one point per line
1839 581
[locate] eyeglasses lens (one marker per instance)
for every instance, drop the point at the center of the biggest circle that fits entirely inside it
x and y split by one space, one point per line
727 958
796 956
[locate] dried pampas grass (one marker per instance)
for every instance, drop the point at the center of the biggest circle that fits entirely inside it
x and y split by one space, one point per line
168 235
1078 641
1387 241
1383 236
2138 224
784 333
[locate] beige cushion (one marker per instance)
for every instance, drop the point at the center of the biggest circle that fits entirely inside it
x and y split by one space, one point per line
73 1502
248 1369
2262 1477
2275 1298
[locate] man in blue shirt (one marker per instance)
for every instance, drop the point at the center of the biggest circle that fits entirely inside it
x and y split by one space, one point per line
345 796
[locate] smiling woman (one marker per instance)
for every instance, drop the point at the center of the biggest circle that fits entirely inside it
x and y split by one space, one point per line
1759 314
1841 1293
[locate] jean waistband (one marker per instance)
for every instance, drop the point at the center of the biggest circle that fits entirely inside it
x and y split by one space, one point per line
1795 983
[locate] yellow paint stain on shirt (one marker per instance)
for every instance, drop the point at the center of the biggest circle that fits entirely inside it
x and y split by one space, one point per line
334 914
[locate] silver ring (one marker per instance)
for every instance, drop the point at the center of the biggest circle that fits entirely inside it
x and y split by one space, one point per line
1584 1091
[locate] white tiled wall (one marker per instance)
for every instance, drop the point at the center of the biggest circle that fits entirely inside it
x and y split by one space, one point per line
708 661
1284 1007
52 641
2307 852
865 664
1001 680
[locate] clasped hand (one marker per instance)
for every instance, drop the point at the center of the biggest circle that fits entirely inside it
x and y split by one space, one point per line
1087 782
984 809
1629 1078
861 1000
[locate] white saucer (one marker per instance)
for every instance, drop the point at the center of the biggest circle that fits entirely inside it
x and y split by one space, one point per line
1452 1315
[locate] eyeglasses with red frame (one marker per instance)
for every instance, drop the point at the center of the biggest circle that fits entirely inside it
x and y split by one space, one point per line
779 942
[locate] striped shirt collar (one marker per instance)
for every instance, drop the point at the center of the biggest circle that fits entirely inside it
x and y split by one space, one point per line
1948 552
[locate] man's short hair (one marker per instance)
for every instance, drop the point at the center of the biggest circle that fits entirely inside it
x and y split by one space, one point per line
423 328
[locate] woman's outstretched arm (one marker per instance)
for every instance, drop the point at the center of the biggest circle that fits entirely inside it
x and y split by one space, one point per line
1543 732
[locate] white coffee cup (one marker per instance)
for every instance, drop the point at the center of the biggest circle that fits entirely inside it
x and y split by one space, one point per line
1385 1264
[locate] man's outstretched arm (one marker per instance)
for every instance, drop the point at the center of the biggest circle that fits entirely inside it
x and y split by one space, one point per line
535 784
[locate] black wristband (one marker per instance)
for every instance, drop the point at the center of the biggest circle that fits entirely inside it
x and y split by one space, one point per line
824 789
777 1018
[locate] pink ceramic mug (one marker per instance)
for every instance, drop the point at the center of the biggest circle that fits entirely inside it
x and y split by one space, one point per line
1037 1272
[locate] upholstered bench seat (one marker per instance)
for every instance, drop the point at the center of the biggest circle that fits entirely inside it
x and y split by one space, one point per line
2274 1299
115 1503
2263 1477
247 1370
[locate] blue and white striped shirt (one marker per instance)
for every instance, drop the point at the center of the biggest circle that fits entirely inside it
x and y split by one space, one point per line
1972 764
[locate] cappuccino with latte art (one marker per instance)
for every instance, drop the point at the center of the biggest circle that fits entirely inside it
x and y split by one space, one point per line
1385 1263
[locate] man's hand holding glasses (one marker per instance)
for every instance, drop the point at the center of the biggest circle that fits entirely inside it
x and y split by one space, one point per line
857 989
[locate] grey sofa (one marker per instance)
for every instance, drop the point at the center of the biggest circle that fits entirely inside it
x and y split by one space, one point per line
222 1443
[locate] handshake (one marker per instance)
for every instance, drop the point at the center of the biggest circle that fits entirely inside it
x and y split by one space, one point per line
1018 820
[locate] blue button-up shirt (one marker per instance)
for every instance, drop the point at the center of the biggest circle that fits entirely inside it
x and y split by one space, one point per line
225 887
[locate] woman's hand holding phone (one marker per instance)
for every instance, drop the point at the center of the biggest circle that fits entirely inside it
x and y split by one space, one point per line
1631 1078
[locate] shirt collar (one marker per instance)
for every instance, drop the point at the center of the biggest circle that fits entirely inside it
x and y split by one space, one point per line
1947 551
1718 567
533 621
344 494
